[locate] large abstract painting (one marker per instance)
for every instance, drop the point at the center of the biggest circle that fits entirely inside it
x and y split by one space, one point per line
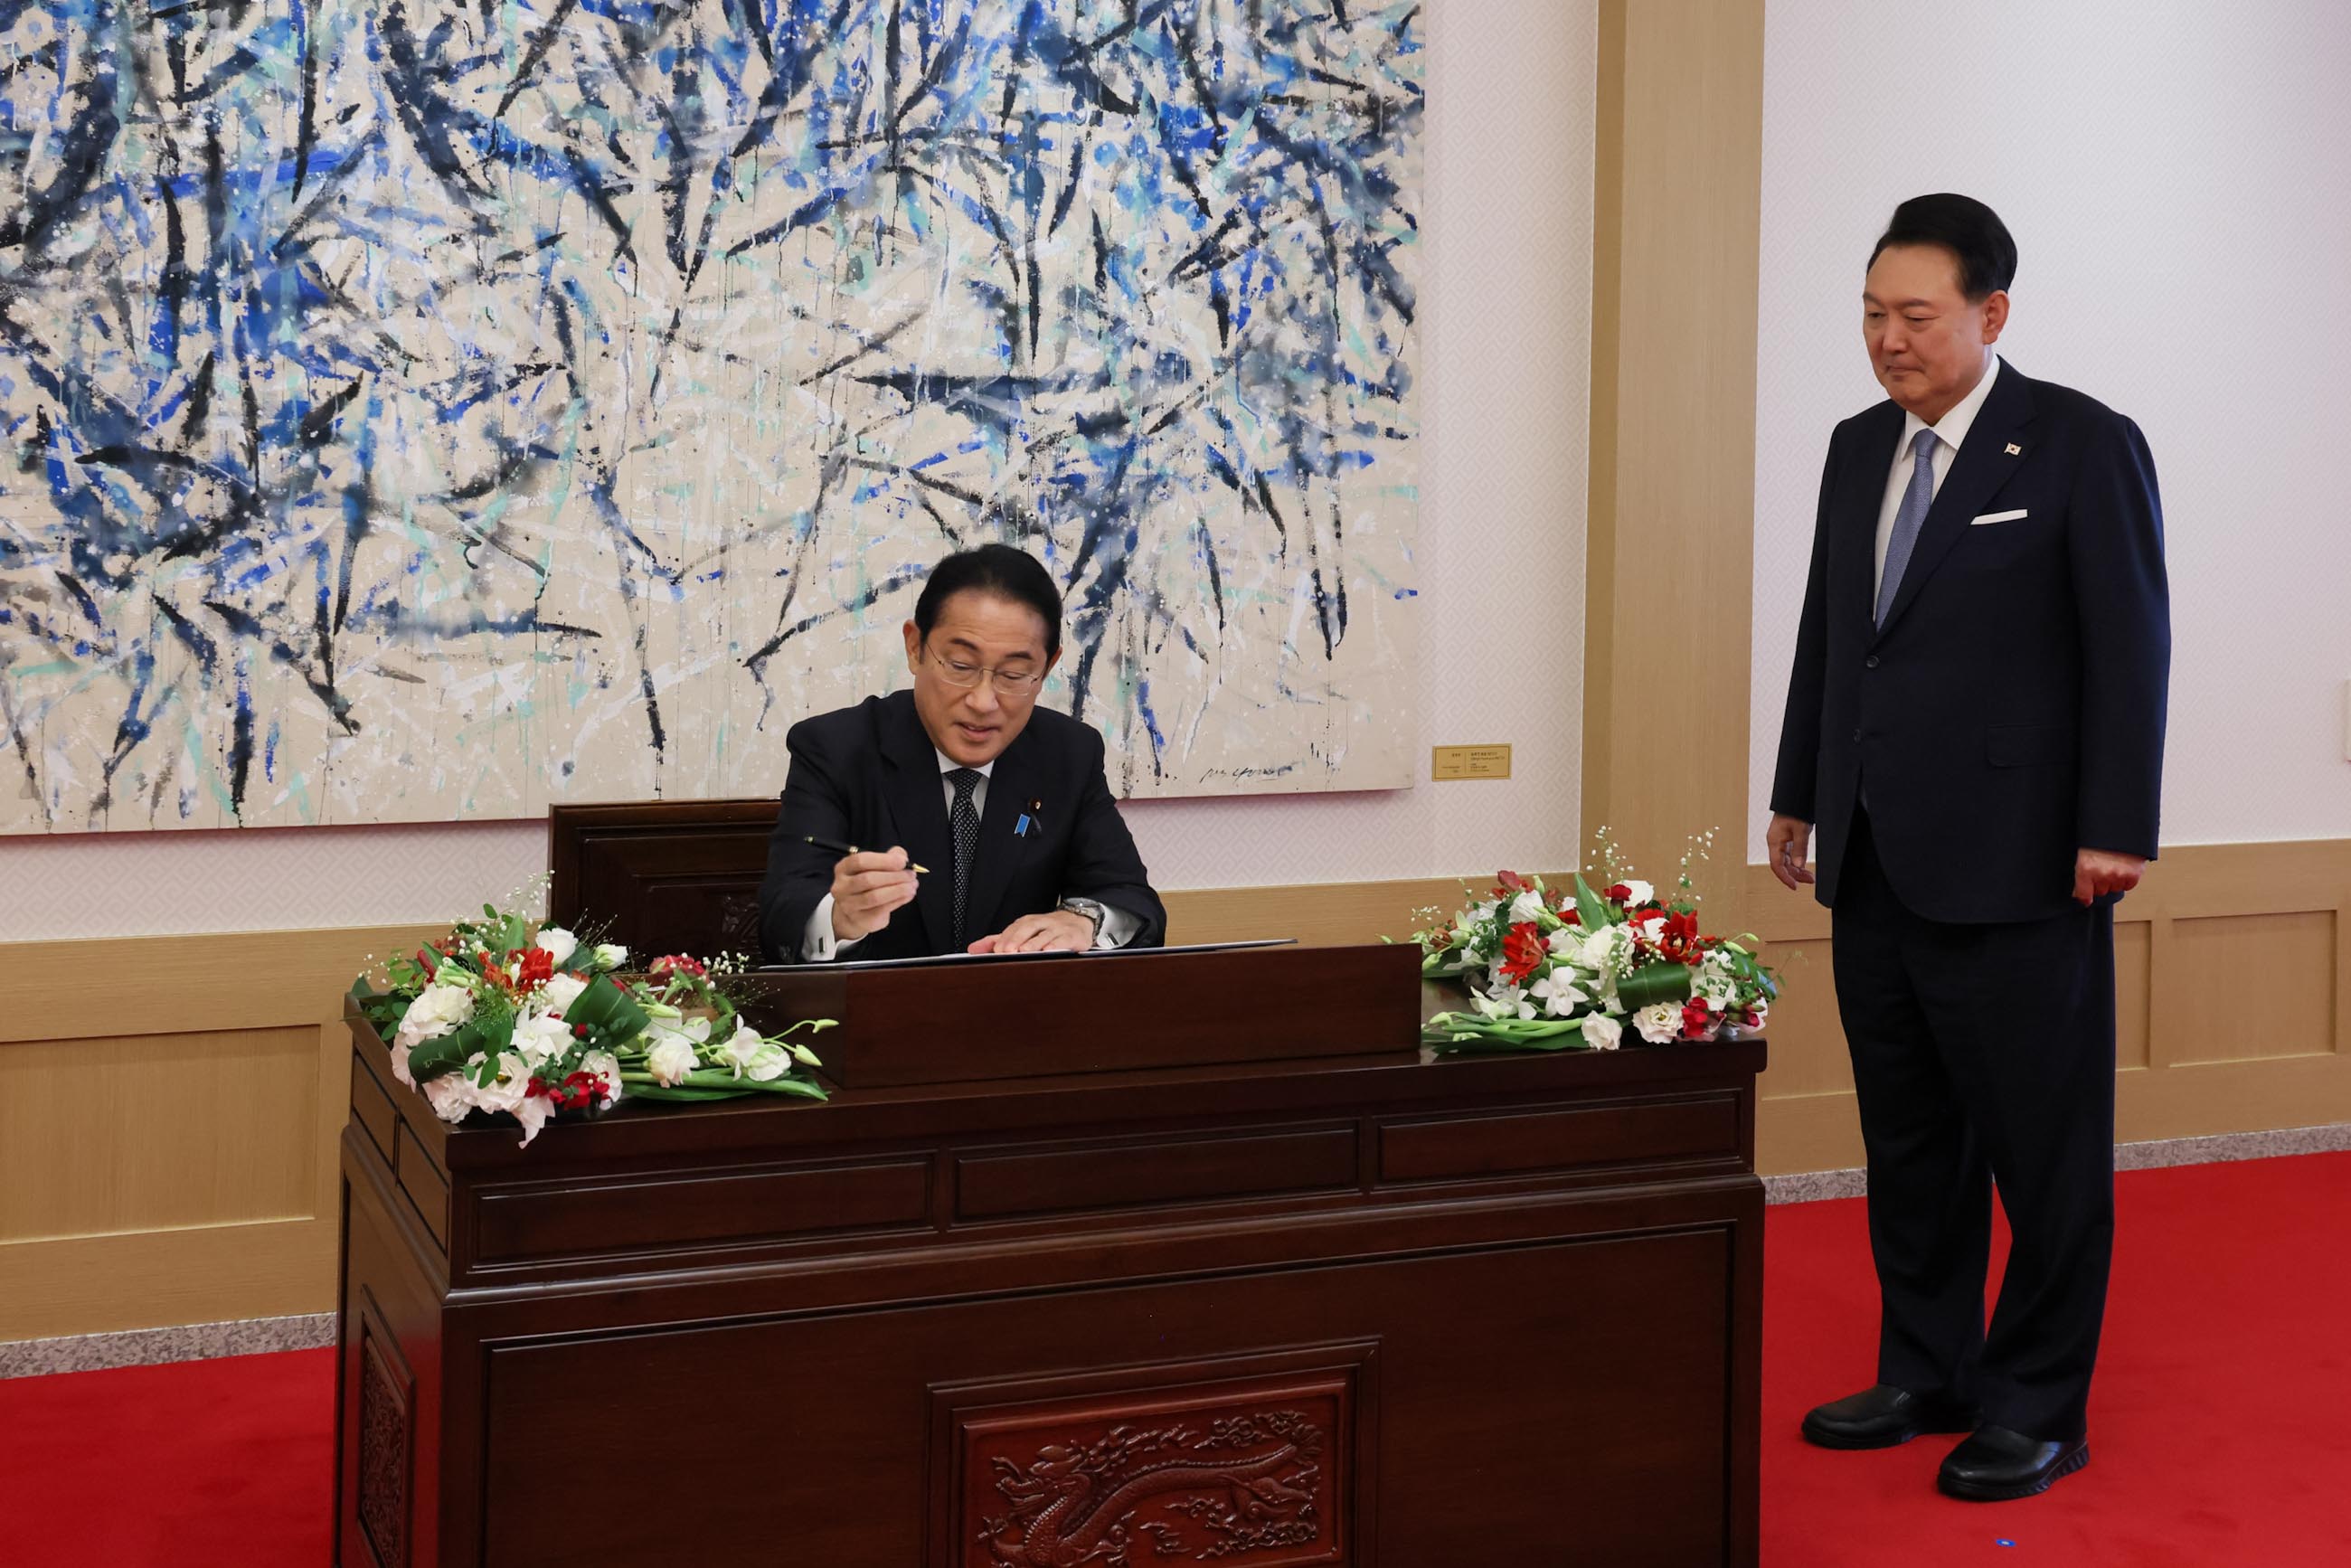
424 409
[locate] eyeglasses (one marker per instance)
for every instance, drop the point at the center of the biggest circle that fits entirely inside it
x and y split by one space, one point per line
967 677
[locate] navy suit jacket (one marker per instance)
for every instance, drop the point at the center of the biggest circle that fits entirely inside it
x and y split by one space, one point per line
2011 710
869 776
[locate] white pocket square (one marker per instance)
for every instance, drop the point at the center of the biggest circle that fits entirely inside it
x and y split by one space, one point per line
1997 517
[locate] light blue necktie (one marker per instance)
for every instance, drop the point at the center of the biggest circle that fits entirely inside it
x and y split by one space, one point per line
1907 519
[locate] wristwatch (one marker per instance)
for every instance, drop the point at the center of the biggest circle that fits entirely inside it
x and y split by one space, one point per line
1093 910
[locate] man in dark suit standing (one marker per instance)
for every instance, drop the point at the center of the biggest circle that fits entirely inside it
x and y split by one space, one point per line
1975 727
1005 804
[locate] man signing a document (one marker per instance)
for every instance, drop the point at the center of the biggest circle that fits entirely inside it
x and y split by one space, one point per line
990 824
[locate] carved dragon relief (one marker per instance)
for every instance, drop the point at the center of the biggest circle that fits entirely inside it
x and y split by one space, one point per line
1236 1486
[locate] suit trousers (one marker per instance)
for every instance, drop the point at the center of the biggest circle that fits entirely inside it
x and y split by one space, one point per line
1983 1054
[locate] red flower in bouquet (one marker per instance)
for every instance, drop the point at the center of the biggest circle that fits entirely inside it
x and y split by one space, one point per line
1697 1020
1618 893
1680 942
1511 883
581 1089
1522 951
535 966
661 968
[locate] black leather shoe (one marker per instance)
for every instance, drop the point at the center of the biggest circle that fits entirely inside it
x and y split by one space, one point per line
1882 1418
1996 1465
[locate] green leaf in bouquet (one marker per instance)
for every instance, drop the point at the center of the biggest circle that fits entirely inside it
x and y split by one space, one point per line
1460 1032
611 1013
1654 983
706 1084
1589 909
433 1058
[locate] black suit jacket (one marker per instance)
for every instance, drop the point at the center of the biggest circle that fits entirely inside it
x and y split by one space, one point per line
869 776
2011 711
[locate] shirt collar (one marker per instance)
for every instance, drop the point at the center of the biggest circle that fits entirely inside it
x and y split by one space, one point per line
948 764
1952 429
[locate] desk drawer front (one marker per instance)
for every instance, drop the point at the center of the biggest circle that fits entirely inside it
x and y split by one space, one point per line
996 1185
667 1214
1524 1143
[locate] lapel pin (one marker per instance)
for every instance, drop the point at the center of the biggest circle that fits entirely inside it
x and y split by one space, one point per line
2014 450
1021 828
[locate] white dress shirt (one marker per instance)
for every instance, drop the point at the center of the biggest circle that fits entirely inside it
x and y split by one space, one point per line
819 945
1949 432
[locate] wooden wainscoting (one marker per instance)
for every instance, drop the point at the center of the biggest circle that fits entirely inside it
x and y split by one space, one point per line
1320 914
169 1106
2233 979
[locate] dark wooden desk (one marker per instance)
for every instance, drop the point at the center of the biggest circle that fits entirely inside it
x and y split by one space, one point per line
1354 1309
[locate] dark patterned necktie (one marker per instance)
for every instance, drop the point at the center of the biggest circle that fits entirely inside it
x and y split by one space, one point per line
964 819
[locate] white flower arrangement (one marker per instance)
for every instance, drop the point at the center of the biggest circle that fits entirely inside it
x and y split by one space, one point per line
507 1017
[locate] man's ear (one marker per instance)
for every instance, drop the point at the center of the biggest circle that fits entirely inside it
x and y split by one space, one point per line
1995 312
914 635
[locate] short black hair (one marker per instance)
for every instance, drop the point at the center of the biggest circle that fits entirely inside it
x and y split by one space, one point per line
1001 571
1970 231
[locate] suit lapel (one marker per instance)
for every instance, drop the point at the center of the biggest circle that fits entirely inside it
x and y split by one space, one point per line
1010 787
918 811
1858 507
1994 446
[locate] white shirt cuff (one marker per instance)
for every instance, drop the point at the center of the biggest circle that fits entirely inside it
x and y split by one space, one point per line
818 943
1118 928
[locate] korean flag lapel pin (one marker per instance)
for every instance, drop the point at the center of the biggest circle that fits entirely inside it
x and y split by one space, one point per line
2014 450
1028 819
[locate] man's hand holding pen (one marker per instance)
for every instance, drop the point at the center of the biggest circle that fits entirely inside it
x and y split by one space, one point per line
867 885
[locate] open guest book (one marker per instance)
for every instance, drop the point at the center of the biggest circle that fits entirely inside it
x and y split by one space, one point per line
927 961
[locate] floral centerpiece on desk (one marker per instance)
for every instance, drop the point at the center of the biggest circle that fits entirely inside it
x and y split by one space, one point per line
1575 968
507 1015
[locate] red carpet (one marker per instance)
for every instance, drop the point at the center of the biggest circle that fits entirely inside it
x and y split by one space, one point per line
2220 1425
2218 1435
208 1464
